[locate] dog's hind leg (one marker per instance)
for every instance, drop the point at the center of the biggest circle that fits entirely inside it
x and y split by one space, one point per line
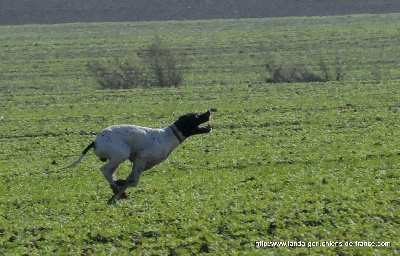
131 181
108 171
117 186
116 151
110 168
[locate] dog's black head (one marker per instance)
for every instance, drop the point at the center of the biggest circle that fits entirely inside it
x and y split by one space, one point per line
188 124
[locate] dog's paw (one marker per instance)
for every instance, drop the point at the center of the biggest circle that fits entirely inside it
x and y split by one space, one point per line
124 195
115 198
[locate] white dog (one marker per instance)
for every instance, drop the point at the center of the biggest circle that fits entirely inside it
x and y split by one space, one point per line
144 147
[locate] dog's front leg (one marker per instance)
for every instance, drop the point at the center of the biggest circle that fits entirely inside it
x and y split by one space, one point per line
131 181
137 169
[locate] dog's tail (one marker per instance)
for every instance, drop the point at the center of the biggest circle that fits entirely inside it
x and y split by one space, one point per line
77 161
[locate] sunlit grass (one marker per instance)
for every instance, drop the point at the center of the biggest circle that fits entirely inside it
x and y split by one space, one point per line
299 162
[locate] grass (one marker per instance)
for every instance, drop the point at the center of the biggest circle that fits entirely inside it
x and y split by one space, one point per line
299 162
53 57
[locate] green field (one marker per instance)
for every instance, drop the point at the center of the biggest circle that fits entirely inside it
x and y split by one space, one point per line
313 164
225 52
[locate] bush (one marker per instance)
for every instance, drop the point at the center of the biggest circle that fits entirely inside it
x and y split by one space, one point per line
157 68
291 72
164 66
117 74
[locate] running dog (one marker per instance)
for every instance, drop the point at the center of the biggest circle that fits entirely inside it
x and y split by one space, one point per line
145 147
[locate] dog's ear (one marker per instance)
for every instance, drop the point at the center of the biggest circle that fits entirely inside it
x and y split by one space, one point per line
185 124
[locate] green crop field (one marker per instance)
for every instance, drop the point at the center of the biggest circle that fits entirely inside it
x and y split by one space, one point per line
312 165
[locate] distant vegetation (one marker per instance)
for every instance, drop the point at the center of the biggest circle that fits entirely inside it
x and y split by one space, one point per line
158 67
292 72
218 52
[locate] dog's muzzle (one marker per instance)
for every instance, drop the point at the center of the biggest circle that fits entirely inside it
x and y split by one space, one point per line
205 117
